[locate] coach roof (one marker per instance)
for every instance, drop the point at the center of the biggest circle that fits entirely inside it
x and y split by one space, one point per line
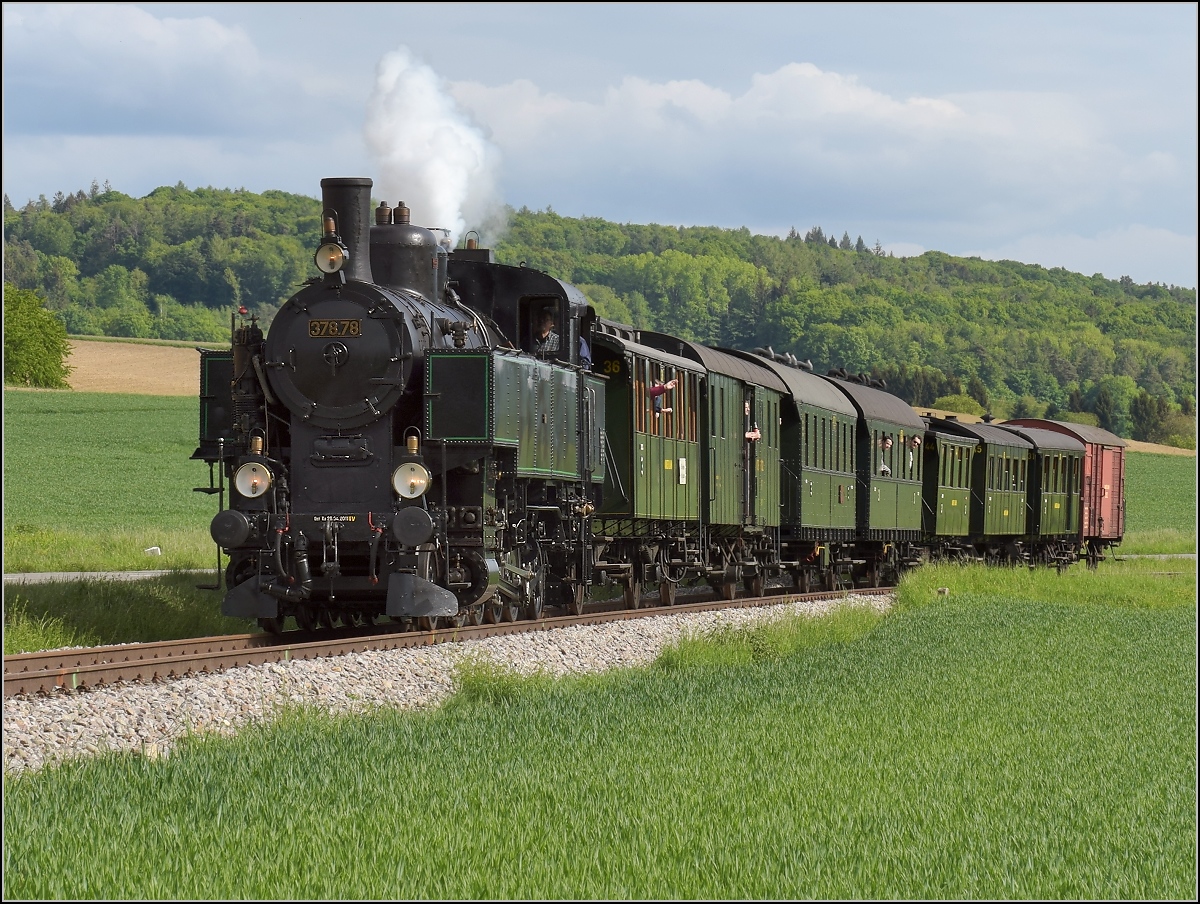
803 386
987 433
718 362
1047 439
877 405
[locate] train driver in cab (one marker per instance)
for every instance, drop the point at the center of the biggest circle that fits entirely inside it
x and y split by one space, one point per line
545 340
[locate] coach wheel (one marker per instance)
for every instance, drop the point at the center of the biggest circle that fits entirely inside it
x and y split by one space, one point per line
271 625
633 593
325 617
460 618
427 623
831 578
726 590
1093 558
306 617
801 580
666 593
873 573
493 612
754 584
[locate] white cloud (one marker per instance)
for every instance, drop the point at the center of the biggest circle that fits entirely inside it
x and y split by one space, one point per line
117 69
797 119
816 147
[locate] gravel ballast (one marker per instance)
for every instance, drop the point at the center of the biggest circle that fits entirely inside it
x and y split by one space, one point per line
150 718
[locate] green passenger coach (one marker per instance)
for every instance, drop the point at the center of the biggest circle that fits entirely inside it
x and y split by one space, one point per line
949 458
1055 512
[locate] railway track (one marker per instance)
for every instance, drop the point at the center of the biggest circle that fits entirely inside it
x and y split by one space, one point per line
76 669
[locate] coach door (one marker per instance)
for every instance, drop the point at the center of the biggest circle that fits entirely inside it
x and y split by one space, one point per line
727 472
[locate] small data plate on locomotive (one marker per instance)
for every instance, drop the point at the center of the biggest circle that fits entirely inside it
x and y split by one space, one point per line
340 329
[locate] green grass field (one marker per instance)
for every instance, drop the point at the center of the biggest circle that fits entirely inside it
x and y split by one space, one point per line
91 480
1025 736
1160 506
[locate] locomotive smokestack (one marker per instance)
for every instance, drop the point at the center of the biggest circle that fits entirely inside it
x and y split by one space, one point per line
351 198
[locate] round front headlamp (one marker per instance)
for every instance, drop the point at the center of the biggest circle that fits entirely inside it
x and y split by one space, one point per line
410 480
252 479
331 257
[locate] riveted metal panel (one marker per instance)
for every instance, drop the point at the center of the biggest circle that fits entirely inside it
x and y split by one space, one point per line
458 397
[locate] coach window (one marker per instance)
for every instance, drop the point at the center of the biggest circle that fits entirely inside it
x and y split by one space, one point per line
639 396
694 408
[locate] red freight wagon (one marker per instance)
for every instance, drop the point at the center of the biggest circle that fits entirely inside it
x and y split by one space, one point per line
1103 483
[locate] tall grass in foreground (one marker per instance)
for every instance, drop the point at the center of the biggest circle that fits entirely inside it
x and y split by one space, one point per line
1024 736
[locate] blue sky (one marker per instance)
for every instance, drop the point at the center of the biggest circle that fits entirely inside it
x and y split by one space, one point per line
1063 135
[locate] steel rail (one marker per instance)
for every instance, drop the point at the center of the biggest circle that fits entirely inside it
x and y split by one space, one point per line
92 667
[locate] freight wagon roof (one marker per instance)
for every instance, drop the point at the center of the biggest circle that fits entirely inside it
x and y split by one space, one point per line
997 436
1047 439
875 404
1082 432
804 386
717 361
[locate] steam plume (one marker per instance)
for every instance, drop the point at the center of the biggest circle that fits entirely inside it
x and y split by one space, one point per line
430 155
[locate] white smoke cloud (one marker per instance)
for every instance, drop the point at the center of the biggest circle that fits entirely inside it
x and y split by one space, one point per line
429 153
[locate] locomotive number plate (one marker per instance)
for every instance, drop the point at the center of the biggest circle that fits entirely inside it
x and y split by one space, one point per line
342 329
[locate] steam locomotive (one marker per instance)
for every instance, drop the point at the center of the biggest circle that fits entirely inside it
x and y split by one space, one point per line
405 442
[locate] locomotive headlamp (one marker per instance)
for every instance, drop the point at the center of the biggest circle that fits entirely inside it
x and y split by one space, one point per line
331 257
252 479
410 480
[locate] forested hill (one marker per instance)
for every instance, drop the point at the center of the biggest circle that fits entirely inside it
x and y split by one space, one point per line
1016 338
